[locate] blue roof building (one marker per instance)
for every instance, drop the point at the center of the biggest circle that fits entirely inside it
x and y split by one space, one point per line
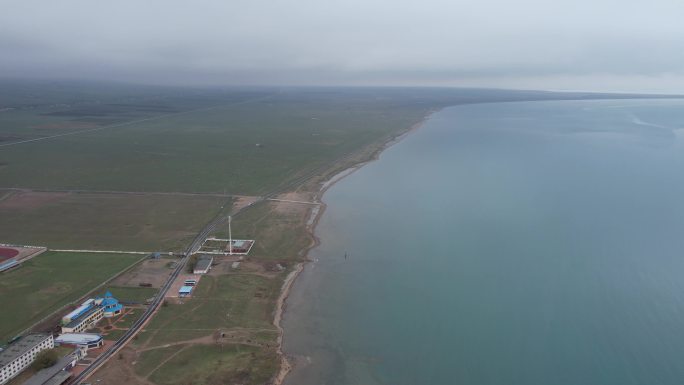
185 291
111 305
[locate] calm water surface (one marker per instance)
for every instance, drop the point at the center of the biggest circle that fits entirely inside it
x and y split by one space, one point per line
514 243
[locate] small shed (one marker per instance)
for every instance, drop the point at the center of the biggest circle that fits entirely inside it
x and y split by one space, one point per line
184 291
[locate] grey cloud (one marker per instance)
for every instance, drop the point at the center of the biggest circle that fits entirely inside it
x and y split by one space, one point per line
601 44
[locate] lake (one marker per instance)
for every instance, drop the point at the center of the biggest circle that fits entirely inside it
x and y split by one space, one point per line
529 243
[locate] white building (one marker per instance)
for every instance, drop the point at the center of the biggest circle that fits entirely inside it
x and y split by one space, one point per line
203 264
85 321
90 313
58 373
79 311
20 354
81 340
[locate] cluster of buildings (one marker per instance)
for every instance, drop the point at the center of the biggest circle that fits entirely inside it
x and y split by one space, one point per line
203 265
90 313
20 354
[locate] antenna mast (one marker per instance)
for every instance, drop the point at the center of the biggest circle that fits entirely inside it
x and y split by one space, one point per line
230 237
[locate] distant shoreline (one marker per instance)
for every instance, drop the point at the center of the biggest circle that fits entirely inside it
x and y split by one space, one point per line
367 155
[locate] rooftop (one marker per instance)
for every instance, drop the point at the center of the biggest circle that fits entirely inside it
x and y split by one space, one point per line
78 320
80 310
20 347
239 243
185 290
53 374
78 338
204 262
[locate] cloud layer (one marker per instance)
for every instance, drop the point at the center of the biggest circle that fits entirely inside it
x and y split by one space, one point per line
561 44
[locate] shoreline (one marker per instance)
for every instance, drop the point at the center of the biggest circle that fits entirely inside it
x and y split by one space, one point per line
314 216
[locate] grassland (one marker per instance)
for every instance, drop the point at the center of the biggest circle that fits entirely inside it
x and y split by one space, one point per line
105 221
208 364
219 302
50 281
183 343
280 234
244 148
30 110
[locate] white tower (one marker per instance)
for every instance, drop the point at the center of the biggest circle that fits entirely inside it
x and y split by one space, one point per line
230 237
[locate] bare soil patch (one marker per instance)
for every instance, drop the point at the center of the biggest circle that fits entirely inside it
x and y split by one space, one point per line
243 201
119 370
293 207
180 282
150 273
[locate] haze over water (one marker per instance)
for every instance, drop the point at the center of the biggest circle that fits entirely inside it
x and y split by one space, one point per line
517 243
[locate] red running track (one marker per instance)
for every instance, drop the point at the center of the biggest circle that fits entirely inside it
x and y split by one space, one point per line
7 253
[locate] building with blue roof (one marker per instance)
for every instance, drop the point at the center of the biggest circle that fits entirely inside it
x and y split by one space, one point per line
110 305
90 313
185 291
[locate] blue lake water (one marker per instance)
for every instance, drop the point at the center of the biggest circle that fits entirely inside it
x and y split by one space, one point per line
511 243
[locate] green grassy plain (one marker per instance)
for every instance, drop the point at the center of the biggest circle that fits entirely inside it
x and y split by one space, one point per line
50 281
30 110
278 235
212 150
105 221
209 365
219 302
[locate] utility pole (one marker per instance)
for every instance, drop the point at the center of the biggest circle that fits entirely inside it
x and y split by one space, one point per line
230 237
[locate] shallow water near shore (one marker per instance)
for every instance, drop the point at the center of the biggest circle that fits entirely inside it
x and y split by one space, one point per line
512 243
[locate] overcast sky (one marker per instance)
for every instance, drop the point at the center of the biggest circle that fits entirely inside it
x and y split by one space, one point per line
612 45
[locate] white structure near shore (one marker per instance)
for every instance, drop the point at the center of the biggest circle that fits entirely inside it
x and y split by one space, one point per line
20 354
90 313
203 264
85 341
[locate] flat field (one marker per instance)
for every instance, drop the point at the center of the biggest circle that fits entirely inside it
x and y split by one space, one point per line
50 281
219 302
210 365
105 221
247 147
279 229
30 110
